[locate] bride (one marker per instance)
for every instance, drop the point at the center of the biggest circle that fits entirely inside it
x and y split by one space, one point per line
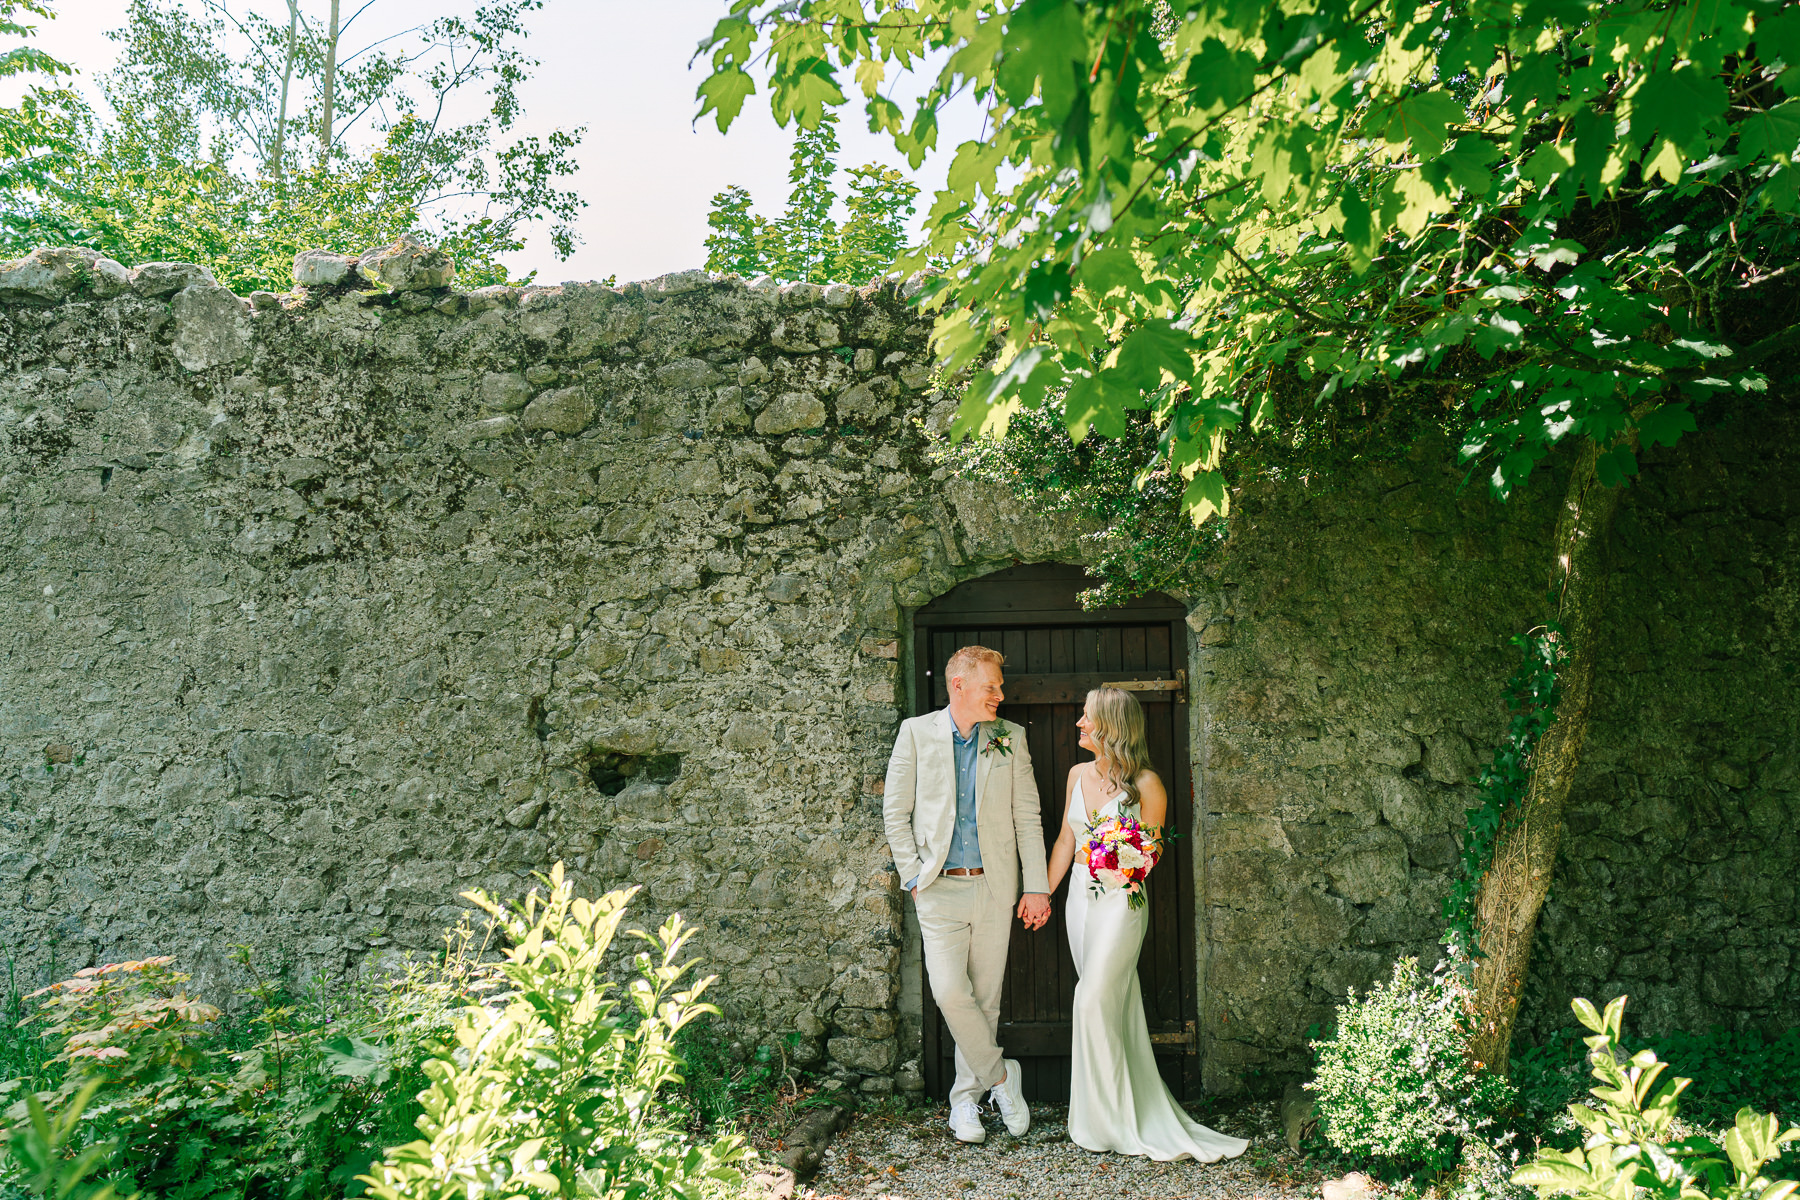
1117 1100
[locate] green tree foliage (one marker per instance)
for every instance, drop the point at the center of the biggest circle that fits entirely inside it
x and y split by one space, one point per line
731 246
805 242
211 144
39 135
1533 219
801 244
880 203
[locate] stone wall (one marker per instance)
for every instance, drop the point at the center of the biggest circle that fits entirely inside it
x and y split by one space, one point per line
1353 652
322 609
1354 648
1677 880
319 609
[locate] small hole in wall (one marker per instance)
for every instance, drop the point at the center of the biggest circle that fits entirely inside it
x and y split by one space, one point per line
611 773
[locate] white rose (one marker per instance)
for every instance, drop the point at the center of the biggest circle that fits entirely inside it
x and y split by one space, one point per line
1131 858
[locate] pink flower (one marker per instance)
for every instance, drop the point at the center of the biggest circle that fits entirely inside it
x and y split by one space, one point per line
1110 877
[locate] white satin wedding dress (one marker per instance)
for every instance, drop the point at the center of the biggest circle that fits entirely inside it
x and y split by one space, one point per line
1117 1100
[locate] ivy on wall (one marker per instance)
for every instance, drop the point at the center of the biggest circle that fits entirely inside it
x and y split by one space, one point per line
1505 783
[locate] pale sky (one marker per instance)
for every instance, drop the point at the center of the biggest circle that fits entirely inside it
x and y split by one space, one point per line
620 67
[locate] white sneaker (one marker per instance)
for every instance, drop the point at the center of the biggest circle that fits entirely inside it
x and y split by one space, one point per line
965 1123
1009 1096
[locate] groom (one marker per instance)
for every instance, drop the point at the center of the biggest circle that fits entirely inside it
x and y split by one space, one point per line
961 809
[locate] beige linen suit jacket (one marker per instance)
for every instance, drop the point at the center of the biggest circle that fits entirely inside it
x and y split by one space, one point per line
919 806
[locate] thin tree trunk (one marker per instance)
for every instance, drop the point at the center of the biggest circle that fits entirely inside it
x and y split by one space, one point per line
287 78
328 84
1513 890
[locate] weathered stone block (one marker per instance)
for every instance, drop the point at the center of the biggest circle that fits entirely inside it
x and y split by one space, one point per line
279 764
859 987
406 266
1371 867
1449 759
51 275
90 396
790 411
322 268
505 391
684 374
300 893
211 327
160 280
805 332
678 282
860 1054
565 411
865 1023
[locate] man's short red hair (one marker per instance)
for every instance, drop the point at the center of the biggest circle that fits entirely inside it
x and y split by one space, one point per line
965 660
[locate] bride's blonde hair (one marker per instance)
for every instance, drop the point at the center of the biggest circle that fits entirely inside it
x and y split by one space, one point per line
1118 721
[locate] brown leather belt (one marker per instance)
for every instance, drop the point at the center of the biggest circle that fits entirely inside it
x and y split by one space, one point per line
961 871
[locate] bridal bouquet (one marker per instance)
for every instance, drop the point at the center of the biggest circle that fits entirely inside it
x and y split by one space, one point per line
1119 854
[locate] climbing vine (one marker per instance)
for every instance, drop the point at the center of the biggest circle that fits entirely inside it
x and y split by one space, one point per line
1531 695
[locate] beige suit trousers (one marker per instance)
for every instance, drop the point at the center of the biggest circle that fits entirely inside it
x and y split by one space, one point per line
965 929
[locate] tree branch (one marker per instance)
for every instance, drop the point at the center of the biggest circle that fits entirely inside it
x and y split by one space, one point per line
1775 343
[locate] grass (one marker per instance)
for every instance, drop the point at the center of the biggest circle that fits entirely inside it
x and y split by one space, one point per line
23 1050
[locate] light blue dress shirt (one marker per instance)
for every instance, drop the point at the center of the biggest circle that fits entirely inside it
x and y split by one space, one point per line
965 839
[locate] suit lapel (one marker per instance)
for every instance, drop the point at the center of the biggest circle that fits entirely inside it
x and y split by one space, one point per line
983 760
944 762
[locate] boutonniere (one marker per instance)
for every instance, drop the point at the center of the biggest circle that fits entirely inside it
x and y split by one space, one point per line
999 739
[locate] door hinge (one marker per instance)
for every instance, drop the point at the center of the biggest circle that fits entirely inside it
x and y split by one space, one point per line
1178 685
1188 1036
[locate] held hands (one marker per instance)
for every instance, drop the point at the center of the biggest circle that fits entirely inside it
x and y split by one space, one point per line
1034 909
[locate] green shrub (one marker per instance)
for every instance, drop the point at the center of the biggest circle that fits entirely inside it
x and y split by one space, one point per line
162 1098
1632 1145
1729 1070
1546 1079
1394 1083
291 1100
43 1155
543 1091
722 1083
124 1078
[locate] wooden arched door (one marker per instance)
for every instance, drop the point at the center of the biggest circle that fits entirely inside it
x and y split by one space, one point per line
1055 652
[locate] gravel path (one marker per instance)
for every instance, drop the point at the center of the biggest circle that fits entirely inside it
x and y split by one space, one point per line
911 1155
